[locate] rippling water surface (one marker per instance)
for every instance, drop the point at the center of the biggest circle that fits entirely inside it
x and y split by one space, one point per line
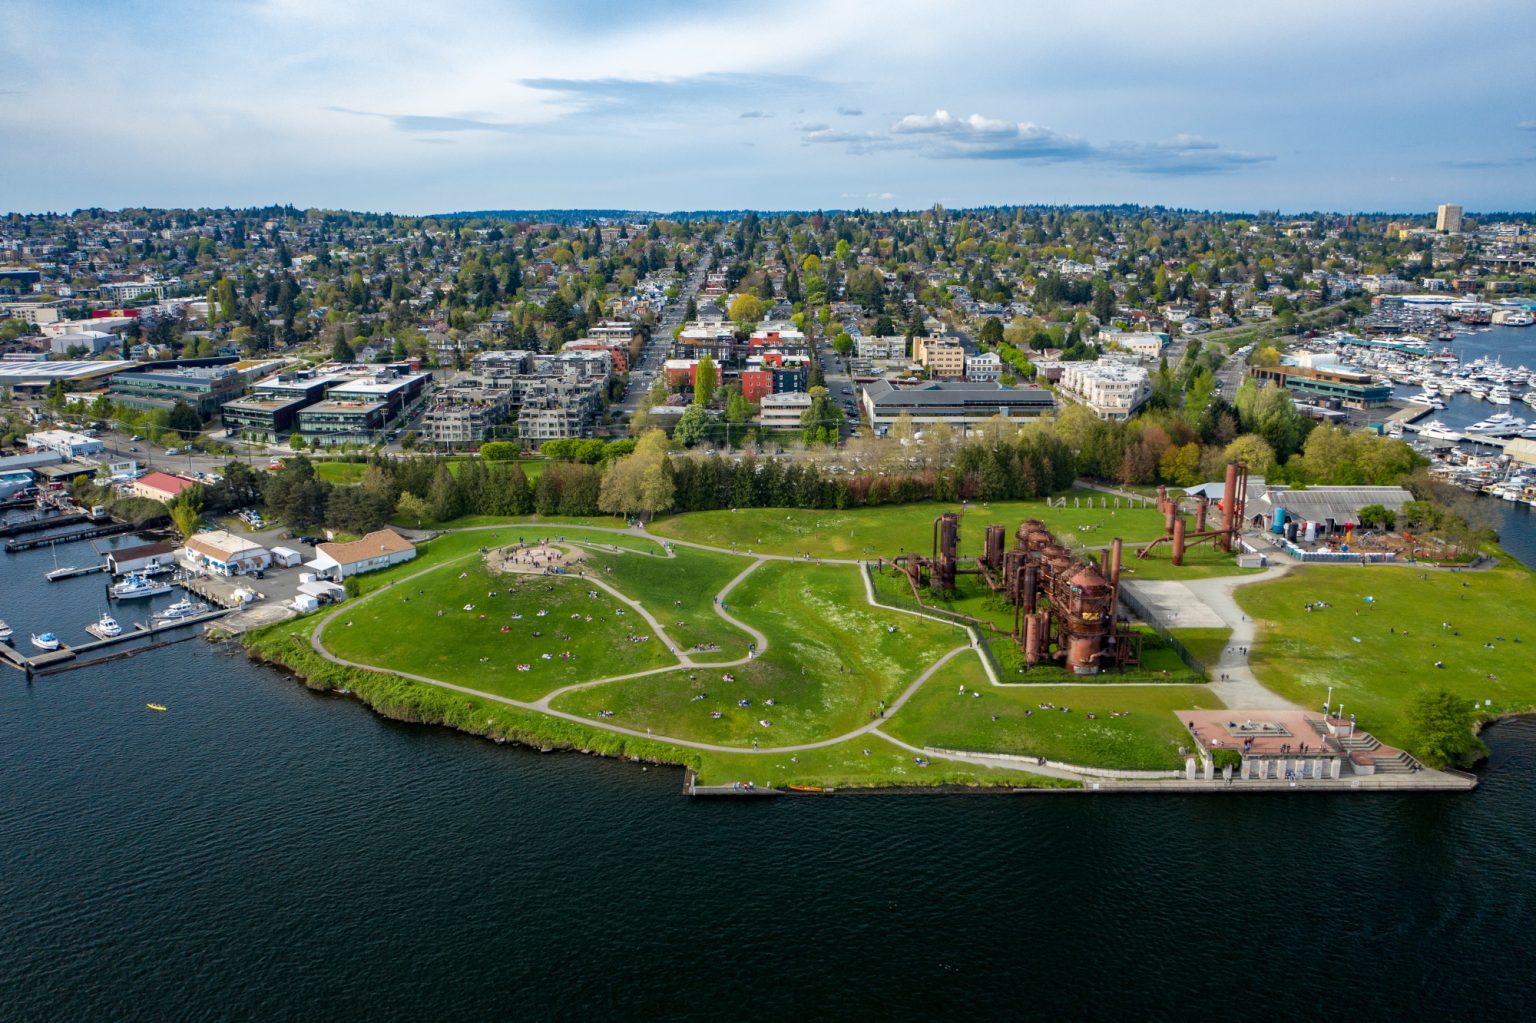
261 851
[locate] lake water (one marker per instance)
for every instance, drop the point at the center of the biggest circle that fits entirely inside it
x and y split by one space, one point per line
261 851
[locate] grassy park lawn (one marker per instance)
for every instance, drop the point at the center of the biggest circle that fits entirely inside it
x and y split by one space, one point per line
846 765
400 629
1205 644
1400 637
889 529
680 589
817 620
477 521
1202 562
340 472
1148 739
449 546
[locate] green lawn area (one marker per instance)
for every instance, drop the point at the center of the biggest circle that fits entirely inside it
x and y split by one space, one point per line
681 589
400 629
888 530
1205 644
449 546
1148 739
817 620
340 472
1202 562
473 521
1300 654
845 765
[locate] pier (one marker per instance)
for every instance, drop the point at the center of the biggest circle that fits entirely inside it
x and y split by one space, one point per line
67 657
70 573
92 533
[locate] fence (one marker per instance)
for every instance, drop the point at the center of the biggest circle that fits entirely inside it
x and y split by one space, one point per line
1146 614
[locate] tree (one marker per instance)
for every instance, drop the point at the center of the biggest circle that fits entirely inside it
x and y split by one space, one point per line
706 377
498 451
746 311
992 331
183 418
692 426
843 343
412 508
341 351
1374 516
186 511
640 483
1253 451
1438 727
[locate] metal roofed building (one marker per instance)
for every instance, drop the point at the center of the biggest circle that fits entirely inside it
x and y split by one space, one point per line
961 404
38 375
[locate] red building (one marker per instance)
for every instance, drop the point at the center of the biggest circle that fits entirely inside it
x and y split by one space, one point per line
755 384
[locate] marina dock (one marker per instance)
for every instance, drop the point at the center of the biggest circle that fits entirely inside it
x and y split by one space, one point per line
37 525
78 656
92 533
69 573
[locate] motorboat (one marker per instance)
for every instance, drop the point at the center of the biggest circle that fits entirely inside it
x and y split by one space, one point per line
180 609
136 584
47 641
1500 424
1499 394
107 627
156 706
5 632
1436 430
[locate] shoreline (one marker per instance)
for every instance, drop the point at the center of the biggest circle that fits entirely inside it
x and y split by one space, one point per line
406 701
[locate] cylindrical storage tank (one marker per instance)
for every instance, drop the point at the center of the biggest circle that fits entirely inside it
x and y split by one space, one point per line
1279 523
1291 530
1202 506
1031 588
1082 654
1032 627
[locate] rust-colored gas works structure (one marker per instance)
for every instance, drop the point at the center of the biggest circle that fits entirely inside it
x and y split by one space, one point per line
1227 537
1066 611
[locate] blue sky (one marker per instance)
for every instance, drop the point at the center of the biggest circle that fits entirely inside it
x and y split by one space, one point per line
424 107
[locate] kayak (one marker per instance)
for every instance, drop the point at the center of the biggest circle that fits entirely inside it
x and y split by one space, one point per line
155 706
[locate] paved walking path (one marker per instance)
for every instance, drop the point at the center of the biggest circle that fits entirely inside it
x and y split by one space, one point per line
1232 676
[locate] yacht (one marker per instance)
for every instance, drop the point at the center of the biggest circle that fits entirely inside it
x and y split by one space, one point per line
180 609
1499 394
1530 398
47 641
1500 424
1478 390
1436 430
5 632
107 627
136 584
1425 399
1514 318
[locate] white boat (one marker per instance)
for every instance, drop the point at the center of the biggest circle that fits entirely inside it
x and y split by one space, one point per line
1500 424
136 584
1513 318
107 626
1422 399
1436 430
47 641
1499 394
180 609
5 632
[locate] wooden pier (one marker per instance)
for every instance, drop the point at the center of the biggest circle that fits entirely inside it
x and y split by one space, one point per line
70 573
93 533
70 657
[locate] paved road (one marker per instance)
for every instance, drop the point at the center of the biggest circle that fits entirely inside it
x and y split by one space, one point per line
1232 677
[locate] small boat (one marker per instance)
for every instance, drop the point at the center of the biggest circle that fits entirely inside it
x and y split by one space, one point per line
136 584
180 609
156 706
107 626
805 788
47 641
5 632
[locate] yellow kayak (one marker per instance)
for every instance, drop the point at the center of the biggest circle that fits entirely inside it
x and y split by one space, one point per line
155 706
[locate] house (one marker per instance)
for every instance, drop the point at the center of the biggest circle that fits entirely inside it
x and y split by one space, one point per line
379 549
223 553
160 486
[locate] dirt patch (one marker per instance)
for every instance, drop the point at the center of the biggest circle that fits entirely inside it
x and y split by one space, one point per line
535 559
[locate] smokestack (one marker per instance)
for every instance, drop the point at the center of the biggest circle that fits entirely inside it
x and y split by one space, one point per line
1178 541
1032 640
1228 508
1031 585
1170 511
1202 504
1114 565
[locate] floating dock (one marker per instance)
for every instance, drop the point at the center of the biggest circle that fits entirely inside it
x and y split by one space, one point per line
77 656
70 573
92 533
41 523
